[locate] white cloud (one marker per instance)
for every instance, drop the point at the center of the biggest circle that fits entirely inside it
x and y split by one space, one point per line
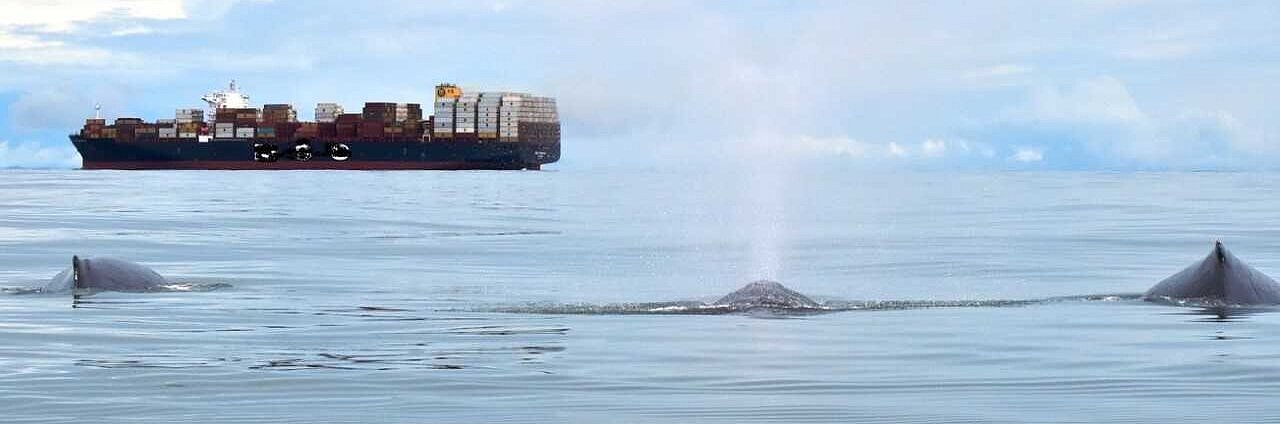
34 33
60 16
131 30
998 71
834 146
896 150
65 55
1102 99
934 148
1027 155
11 41
36 155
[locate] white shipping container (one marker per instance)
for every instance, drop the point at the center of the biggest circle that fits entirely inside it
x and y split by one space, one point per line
244 132
191 114
224 134
221 125
187 135
168 132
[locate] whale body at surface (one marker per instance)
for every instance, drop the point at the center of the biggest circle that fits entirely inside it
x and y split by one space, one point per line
1219 278
105 274
767 295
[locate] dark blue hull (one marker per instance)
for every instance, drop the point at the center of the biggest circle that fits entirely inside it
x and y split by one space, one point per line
107 153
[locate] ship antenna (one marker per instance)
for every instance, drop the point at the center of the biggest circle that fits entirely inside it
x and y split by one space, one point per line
97 111
233 85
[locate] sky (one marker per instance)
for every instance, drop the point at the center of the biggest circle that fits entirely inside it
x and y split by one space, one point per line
1026 85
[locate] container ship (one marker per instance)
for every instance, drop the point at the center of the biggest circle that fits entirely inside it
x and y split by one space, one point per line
482 130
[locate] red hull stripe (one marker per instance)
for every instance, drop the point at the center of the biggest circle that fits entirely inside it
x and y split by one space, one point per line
318 164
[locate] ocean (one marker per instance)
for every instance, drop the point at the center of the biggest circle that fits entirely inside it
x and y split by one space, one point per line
462 297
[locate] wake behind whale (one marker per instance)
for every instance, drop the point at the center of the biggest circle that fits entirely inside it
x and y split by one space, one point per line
771 298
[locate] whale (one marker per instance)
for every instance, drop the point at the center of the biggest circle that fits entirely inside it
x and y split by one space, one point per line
1220 278
767 295
106 274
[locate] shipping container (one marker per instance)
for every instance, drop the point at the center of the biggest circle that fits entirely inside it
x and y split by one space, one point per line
371 130
244 132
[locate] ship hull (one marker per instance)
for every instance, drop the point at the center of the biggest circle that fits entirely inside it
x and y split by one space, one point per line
238 154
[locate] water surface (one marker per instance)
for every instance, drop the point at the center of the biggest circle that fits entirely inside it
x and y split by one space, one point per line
369 296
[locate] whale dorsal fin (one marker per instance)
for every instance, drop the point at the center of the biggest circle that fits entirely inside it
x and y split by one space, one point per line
75 280
75 272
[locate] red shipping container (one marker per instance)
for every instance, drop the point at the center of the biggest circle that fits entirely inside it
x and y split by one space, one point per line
371 130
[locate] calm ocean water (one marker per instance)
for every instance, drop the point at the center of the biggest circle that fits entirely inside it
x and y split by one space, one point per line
367 297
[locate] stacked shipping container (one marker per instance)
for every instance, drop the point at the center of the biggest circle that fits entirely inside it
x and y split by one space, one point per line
487 115
504 116
491 115
464 114
442 122
278 113
188 122
328 112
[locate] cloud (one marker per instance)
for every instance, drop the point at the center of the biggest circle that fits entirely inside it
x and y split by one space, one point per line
1025 155
1096 100
1098 123
45 109
62 16
933 148
998 71
11 41
131 30
38 156
896 150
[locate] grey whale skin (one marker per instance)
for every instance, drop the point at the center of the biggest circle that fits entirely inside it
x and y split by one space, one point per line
766 294
1220 277
105 274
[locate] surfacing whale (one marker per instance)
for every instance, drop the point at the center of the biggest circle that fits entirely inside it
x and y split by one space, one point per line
765 294
106 274
1219 279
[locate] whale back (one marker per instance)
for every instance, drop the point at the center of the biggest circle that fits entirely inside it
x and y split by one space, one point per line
1222 277
767 294
106 274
